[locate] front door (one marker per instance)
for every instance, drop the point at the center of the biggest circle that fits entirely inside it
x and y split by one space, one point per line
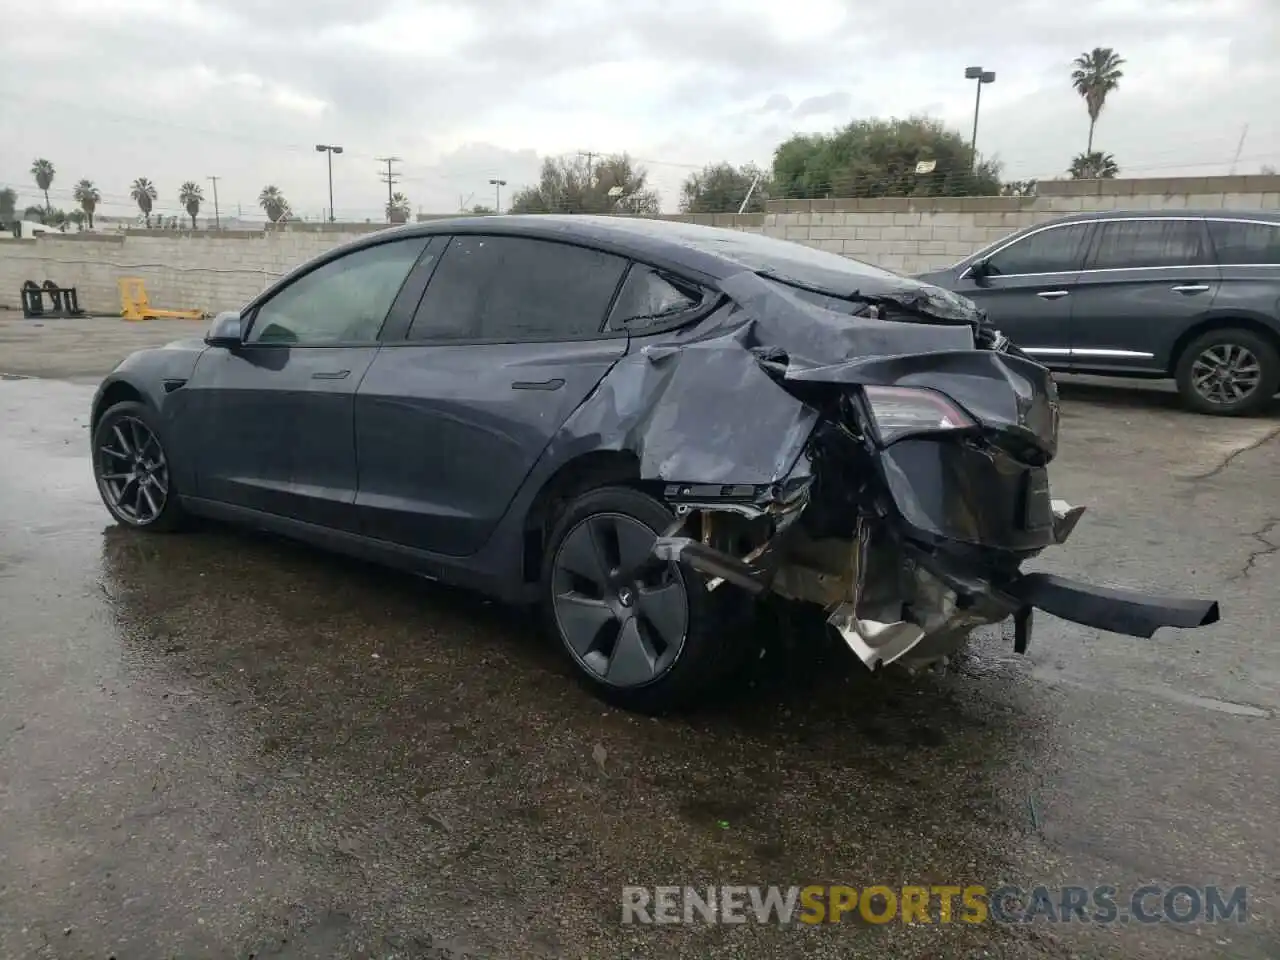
274 417
1026 289
1145 282
507 342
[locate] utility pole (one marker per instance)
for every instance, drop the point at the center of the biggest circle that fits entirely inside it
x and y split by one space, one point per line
590 155
1239 146
217 221
390 179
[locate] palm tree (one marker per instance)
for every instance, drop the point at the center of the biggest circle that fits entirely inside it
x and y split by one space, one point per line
42 170
190 195
1096 74
88 197
1093 166
398 209
273 202
143 192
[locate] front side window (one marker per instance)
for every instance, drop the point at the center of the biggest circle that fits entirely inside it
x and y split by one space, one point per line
1128 244
1055 250
344 301
1244 242
517 288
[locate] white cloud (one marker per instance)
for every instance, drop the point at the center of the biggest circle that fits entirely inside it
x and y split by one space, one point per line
468 90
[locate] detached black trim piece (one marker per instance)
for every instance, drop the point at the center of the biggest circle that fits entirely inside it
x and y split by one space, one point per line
1106 608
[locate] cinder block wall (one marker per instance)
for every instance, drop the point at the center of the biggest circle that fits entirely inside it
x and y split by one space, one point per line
915 235
212 271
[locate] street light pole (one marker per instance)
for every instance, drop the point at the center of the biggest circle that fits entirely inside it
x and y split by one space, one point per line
497 194
982 76
330 150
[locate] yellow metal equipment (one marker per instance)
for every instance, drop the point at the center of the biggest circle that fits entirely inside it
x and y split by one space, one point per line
134 304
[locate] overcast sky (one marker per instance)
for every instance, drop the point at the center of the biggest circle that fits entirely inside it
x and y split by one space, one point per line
468 90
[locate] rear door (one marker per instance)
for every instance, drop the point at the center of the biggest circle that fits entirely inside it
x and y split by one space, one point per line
1026 290
1248 255
1146 280
507 341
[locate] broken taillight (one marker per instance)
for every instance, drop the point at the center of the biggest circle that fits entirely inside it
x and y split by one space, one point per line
902 411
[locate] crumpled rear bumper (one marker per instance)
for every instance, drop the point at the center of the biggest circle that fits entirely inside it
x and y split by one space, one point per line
1127 612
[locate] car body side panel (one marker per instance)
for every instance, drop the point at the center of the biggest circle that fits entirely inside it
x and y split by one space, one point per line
1130 319
158 375
446 434
275 428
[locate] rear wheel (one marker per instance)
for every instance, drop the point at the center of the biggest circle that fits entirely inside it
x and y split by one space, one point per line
1228 372
131 467
642 635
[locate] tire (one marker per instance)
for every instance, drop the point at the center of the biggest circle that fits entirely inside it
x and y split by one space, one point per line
585 600
149 500
1239 346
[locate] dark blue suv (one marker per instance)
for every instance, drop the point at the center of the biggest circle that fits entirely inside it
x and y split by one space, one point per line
1192 295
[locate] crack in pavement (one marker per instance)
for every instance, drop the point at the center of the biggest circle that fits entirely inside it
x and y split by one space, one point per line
1230 458
1268 548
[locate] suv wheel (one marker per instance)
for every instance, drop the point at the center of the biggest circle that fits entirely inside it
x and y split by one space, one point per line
1228 372
642 635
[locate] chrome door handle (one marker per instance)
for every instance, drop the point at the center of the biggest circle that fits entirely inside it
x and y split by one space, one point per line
1052 294
1191 287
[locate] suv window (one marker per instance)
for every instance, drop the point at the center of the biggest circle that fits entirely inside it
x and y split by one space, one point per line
1055 250
1121 244
1239 241
344 301
515 288
649 299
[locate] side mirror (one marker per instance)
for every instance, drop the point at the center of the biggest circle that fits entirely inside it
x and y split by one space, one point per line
979 270
227 330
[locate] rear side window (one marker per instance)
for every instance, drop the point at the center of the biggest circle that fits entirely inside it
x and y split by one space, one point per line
1055 250
1122 244
648 299
1241 242
515 288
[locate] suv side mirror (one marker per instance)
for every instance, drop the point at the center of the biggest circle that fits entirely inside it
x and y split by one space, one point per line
980 269
226 330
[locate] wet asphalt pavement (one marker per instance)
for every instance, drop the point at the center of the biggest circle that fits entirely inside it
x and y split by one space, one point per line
216 744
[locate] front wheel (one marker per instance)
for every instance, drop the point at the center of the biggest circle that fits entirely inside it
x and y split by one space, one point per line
131 467
1228 372
643 636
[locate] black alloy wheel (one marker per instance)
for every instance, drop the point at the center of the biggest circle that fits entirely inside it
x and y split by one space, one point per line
641 633
622 617
132 469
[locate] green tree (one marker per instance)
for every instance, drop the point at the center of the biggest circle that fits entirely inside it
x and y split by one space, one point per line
612 185
43 171
87 195
1096 74
8 205
143 192
190 195
721 188
398 209
273 202
480 210
1093 166
878 158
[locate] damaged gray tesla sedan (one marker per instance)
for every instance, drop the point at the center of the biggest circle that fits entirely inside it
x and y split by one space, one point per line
640 426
